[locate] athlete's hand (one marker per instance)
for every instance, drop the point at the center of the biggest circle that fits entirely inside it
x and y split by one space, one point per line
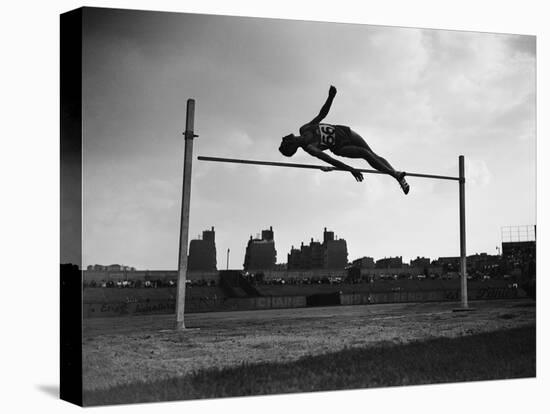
332 91
357 175
327 169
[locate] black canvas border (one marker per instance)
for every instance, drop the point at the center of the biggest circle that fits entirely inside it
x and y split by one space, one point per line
71 212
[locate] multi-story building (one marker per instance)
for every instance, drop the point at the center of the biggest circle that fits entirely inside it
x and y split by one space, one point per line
332 253
96 268
260 253
364 263
421 262
110 268
317 255
294 258
202 252
448 264
336 254
389 263
483 262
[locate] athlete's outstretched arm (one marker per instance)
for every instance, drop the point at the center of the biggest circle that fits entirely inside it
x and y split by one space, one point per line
326 107
316 152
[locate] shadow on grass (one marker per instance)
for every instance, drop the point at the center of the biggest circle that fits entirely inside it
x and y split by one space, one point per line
487 356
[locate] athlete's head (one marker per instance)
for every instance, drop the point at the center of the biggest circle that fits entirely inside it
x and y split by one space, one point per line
289 145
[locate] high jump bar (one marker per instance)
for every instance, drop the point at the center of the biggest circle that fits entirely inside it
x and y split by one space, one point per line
317 167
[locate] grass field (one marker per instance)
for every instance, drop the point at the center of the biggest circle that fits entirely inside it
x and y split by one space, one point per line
294 350
494 355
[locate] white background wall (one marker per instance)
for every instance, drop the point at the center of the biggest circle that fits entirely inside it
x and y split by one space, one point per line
30 207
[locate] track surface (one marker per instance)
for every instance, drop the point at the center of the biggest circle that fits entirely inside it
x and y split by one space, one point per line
129 324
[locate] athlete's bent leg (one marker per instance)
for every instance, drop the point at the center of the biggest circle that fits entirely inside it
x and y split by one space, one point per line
376 161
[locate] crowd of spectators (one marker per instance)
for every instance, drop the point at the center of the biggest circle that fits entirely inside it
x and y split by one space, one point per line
301 281
159 283
259 279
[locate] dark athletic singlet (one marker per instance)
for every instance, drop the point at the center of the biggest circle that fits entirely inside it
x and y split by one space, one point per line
328 136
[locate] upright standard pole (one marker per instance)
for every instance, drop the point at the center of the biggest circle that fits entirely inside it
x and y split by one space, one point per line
464 279
185 202
227 263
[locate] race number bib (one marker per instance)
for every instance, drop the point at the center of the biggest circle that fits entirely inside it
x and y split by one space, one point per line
327 135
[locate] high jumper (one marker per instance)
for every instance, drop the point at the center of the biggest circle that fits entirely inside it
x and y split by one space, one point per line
341 140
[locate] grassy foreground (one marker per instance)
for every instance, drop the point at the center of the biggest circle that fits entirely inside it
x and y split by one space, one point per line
495 355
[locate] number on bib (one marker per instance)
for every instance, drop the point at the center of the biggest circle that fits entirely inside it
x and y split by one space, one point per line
328 135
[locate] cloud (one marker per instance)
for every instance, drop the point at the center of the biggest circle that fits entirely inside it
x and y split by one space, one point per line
477 173
522 44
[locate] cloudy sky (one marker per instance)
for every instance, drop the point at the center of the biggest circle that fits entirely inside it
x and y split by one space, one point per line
419 97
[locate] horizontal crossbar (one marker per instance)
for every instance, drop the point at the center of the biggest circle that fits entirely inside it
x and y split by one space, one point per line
317 167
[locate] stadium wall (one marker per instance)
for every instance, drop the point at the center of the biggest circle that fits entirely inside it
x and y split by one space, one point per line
164 302
430 296
192 305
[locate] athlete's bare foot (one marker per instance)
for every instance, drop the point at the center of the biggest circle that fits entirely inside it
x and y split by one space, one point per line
403 183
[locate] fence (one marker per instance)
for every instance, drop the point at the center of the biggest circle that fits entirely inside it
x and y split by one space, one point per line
215 303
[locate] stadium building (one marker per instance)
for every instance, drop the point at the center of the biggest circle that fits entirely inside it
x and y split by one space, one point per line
519 250
484 263
450 264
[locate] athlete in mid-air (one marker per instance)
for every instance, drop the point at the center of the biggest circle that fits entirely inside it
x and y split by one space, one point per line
341 140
